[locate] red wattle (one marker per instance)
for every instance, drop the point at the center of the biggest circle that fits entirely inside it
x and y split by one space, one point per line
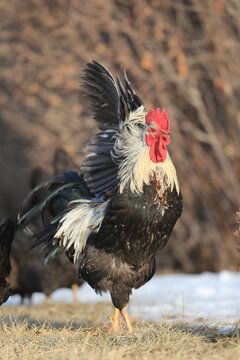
157 152
158 147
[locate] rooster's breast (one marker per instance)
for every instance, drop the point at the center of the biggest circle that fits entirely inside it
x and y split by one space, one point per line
138 225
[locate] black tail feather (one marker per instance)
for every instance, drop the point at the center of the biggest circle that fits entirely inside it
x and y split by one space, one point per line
59 192
37 209
44 235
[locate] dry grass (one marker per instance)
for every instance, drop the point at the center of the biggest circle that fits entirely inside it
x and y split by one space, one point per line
80 332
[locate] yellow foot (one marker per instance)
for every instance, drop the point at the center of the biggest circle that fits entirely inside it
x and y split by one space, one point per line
126 320
115 325
47 300
75 293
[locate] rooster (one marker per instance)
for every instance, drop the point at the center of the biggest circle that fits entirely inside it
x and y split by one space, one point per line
121 208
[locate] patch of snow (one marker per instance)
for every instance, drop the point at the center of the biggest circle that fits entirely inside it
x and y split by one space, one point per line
205 297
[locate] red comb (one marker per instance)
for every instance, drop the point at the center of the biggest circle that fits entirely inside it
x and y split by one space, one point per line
160 118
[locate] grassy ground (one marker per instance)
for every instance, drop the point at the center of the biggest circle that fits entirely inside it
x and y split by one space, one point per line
80 332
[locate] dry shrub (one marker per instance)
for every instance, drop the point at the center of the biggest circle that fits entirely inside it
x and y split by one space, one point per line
183 55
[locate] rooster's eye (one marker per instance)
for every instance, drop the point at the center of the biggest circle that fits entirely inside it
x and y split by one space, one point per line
152 130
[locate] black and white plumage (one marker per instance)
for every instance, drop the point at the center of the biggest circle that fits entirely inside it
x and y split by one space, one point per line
121 209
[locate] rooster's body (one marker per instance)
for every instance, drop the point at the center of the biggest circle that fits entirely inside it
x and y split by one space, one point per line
121 210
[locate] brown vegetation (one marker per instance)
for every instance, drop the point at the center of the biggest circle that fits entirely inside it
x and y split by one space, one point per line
183 55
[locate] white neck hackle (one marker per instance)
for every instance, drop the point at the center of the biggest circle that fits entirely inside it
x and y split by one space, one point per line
135 165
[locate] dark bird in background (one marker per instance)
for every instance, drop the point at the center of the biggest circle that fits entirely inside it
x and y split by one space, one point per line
121 210
28 274
237 232
6 237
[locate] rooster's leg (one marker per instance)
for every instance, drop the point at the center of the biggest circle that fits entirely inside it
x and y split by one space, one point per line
126 319
75 293
47 300
115 325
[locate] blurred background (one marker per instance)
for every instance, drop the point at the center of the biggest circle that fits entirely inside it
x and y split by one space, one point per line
180 54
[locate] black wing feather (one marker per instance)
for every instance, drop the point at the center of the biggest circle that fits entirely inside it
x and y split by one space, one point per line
101 91
128 98
111 103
